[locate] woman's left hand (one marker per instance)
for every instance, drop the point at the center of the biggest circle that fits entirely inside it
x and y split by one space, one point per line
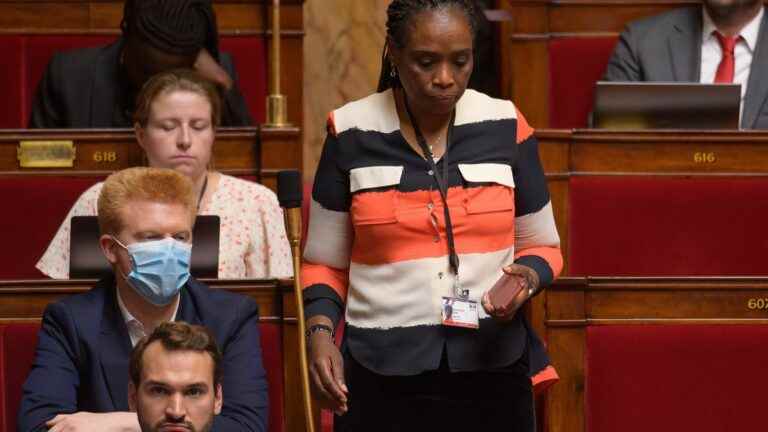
526 278
207 66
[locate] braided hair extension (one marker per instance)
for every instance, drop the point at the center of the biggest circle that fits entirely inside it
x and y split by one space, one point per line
173 26
399 13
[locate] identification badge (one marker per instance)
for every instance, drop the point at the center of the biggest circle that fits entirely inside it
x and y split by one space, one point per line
458 312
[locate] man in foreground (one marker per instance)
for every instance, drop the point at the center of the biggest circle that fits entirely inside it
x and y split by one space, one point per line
176 379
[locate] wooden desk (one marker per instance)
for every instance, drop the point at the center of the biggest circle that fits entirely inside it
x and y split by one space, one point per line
568 153
575 303
25 301
582 152
259 152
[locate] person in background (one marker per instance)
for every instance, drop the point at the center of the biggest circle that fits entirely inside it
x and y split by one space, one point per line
176 116
175 377
721 41
97 87
79 376
426 195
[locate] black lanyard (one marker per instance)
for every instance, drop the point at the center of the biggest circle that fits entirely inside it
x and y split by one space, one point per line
442 185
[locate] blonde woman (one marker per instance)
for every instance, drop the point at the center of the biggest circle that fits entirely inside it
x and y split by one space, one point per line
176 116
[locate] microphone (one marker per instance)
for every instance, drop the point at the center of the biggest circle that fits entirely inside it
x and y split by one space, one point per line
289 188
289 193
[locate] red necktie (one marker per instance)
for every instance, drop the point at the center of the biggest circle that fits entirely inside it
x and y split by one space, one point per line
725 68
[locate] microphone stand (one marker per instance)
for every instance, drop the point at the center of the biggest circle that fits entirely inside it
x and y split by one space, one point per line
293 231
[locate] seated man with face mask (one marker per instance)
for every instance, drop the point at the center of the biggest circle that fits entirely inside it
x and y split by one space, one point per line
79 378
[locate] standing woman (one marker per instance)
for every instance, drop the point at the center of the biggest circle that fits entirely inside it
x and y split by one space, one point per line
426 195
175 121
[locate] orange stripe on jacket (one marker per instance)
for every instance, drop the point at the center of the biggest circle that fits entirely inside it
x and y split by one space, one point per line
313 274
394 226
524 130
552 255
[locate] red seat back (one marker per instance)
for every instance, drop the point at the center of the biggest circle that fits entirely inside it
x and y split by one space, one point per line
29 225
17 350
250 60
272 357
675 378
13 108
667 226
575 65
25 58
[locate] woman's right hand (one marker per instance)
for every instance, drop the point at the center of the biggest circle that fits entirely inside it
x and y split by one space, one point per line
326 368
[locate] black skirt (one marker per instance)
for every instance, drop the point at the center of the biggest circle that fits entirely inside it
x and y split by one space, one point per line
438 400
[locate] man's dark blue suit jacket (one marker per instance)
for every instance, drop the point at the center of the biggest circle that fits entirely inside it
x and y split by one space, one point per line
81 362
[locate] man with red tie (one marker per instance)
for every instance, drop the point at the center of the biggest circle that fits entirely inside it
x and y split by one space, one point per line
722 41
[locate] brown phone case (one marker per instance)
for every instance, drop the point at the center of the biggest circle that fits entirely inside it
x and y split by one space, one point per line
504 291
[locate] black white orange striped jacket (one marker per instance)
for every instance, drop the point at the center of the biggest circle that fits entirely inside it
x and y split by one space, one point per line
376 247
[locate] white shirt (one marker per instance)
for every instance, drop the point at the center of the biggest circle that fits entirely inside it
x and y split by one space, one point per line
136 329
712 53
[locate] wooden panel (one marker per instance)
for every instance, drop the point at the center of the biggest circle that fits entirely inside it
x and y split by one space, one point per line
609 17
574 303
237 151
670 152
232 15
530 64
26 300
53 15
653 151
565 400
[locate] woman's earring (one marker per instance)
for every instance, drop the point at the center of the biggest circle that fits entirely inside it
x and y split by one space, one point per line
392 72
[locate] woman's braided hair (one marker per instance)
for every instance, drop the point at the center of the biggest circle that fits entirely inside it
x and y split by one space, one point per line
399 14
173 26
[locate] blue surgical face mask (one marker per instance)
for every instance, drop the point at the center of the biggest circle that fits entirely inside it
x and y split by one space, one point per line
159 268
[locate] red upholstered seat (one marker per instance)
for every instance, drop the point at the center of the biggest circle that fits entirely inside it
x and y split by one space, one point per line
30 223
17 348
25 58
272 357
250 60
675 378
11 114
668 226
575 65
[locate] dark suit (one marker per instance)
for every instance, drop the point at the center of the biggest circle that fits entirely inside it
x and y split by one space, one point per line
667 47
86 88
81 362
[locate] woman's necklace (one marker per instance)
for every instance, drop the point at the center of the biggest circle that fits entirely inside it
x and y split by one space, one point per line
202 192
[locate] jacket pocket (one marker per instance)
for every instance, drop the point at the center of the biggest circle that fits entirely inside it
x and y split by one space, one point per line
374 194
489 187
